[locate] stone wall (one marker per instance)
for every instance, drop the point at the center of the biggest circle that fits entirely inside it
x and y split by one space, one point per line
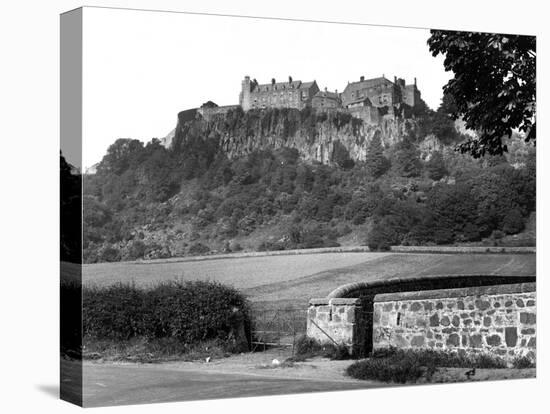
338 321
500 320
208 113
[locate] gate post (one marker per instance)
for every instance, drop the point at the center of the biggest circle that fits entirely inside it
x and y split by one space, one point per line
338 321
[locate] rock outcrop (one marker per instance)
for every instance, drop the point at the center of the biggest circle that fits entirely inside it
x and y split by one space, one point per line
314 135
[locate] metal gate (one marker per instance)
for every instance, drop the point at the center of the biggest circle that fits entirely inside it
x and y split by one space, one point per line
277 327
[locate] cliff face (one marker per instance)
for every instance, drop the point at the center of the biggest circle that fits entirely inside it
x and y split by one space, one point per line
314 135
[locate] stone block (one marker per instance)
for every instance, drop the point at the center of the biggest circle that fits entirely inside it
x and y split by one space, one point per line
530 302
532 342
511 336
456 321
350 315
460 305
528 318
482 304
519 303
453 340
439 305
417 341
387 307
428 306
434 320
445 321
416 307
487 321
475 341
528 331
493 340
401 342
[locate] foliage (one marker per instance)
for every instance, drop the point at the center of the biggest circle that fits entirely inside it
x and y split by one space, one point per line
189 312
149 202
386 370
435 166
523 362
402 366
375 162
406 159
494 85
306 347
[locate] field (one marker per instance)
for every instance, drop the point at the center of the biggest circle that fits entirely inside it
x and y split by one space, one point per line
294 279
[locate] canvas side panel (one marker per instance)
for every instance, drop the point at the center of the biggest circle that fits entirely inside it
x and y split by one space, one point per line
71 207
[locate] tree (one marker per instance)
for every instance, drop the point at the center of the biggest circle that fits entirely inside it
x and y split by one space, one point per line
340 155
406 159
376 163
493 87
436 166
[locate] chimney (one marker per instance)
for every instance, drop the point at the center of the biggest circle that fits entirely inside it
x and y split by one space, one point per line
415 81
362 78
325 88
394 79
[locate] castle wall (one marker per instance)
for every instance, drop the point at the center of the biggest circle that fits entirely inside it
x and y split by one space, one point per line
369 114
208 113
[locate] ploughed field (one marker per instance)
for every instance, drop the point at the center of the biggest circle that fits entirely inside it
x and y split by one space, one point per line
291 280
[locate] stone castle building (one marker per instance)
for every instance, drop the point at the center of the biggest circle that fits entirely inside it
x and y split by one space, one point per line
291 94
368 99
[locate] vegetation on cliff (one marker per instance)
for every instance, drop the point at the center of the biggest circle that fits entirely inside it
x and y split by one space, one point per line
147 201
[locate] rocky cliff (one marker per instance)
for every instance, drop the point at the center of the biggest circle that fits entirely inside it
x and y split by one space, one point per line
316 136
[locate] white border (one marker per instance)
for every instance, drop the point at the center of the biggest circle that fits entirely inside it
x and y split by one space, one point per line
30 109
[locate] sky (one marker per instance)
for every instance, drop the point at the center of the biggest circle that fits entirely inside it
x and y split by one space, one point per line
141 68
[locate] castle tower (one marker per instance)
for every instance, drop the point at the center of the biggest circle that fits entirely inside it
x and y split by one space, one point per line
244 97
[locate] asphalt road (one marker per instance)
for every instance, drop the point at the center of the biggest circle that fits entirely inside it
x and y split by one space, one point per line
113 384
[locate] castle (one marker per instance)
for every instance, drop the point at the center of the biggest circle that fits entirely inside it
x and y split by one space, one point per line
371 100
368 99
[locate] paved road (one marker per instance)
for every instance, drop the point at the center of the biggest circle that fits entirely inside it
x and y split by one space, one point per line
112 384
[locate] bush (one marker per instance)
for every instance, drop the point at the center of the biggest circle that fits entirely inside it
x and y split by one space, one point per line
198 248
513 222
380 238
189 312
386 370
523 362
393 365
306 347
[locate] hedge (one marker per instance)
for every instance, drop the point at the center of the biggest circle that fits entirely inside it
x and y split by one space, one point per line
188 311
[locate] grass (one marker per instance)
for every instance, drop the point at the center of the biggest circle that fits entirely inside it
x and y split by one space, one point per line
295 279
408 366
145 350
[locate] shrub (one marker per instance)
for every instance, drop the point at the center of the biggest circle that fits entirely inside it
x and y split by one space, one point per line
513 222
380 238
393 365
523 362
198 248
306 347
386 370
189 312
